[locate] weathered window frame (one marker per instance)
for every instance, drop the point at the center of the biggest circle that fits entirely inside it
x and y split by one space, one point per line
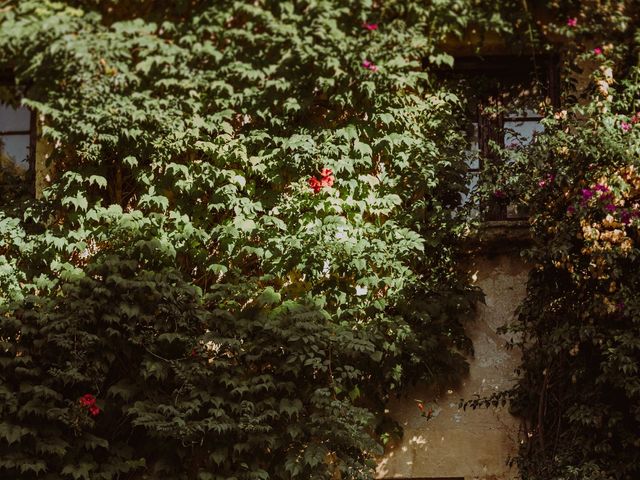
491 128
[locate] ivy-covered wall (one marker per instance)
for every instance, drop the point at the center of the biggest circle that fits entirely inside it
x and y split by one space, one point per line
253 235
247 245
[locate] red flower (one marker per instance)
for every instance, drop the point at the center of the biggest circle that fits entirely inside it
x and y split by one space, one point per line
87 400
326 180
315 184
370 26
421 406
572 22
597 51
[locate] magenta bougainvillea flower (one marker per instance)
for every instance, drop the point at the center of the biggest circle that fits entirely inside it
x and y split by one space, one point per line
370 26
572 22
586 194
369 65
625 126
550 178
597 51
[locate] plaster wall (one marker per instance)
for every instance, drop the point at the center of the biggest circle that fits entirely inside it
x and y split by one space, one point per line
471 444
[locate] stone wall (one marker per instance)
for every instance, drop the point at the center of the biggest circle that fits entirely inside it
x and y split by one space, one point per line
471 444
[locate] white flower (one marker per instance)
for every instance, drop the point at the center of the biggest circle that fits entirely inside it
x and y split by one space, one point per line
361 290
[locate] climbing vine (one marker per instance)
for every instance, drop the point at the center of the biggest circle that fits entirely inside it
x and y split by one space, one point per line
247 241
578 327
251 226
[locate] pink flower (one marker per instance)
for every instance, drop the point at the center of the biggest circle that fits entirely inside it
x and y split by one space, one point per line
601 188
625 217
327 181
610 207
94 410
369 65
625 126
586 194
572 22
548 181
370 26
597 51
326 172
571 209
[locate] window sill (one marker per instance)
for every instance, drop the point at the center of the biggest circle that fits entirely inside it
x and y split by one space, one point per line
500 236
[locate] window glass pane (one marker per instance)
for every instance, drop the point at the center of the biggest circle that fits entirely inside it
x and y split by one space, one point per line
521 133
14 153
14 120
473 152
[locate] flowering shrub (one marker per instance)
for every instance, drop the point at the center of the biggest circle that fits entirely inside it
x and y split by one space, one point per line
578 327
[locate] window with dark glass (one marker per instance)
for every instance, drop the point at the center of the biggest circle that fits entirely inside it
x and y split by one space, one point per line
505 95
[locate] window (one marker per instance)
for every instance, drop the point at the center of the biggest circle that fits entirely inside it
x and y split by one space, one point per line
504 95
17 146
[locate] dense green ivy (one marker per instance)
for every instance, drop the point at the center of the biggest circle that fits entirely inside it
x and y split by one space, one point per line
252 228
249 238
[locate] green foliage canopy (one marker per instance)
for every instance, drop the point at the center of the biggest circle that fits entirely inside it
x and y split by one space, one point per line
230 322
